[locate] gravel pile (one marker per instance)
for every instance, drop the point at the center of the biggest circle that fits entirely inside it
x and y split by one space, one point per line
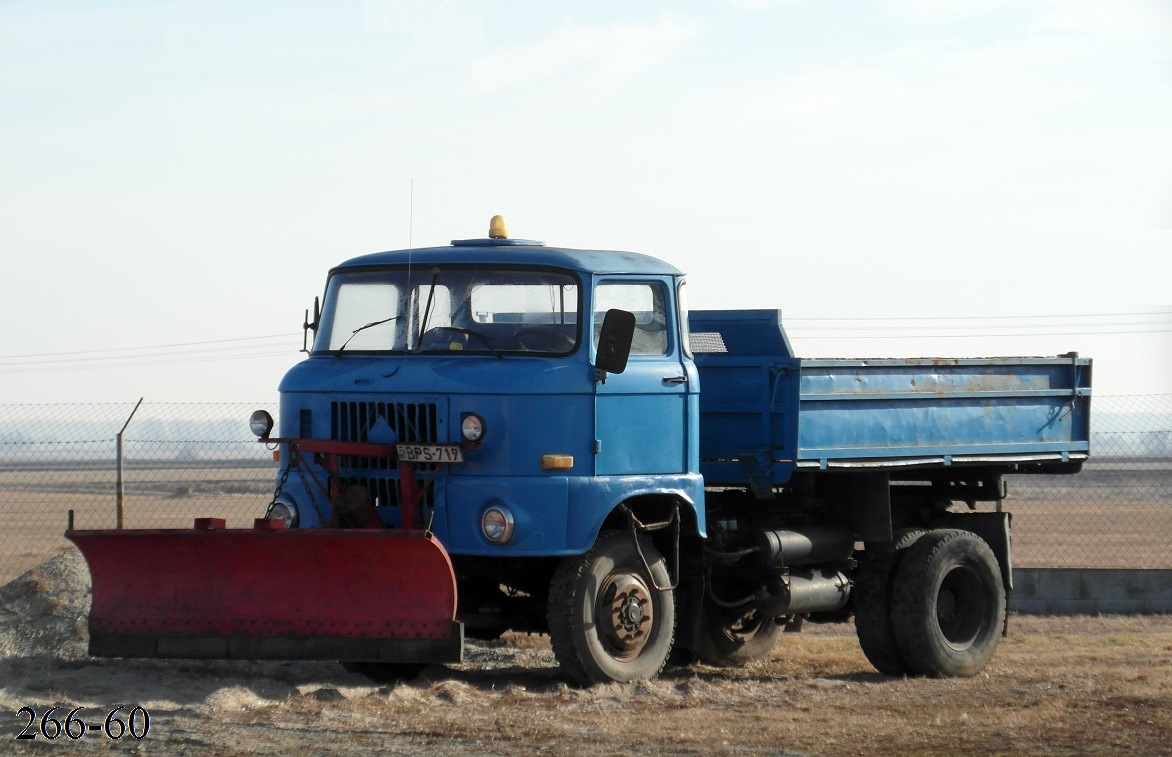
43 611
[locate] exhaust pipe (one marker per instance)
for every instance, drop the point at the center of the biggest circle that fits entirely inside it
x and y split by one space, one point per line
807 591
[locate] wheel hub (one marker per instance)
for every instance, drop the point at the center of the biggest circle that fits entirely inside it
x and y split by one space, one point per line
625 614
630 613
960 607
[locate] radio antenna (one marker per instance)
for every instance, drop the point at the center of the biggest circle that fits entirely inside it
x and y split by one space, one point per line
410 248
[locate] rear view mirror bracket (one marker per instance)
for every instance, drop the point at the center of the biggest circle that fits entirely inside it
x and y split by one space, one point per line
308 325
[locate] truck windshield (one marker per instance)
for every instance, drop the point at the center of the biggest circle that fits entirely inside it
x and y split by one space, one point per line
469 310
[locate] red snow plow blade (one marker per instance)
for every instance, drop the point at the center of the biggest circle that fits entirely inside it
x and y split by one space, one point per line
268 593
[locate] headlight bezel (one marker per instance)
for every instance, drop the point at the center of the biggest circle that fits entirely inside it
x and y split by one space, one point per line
497 524
290 516
261 424
473 428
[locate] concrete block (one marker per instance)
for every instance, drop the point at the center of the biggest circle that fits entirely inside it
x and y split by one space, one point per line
1066 591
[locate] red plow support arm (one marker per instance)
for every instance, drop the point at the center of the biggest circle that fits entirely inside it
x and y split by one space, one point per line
271 593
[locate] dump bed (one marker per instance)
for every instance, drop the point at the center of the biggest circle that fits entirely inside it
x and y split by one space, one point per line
765 413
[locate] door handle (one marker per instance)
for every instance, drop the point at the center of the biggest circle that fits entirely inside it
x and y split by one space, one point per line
675 379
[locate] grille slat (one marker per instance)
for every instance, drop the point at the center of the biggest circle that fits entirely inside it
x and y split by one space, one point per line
411 422
414 422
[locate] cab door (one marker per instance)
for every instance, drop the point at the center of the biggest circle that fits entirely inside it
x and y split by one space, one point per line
641 414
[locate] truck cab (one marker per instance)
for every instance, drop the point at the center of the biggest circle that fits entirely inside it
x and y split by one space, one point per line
482 360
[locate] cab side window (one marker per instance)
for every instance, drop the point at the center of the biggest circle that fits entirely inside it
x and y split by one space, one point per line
647 302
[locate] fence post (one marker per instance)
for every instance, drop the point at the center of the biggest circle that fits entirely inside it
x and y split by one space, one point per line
118 481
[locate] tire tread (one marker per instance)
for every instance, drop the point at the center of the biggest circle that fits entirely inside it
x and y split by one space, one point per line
917 633
563 611
873 624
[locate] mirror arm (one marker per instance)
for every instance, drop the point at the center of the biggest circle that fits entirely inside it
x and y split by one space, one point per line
307 325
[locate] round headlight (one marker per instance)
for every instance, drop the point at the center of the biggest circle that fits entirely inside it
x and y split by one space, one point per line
472 428
497 524
285 512
261 423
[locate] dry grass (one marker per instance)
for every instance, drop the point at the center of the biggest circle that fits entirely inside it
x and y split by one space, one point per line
1056 686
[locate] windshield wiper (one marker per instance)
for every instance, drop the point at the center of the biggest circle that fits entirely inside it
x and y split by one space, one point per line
365 327
426 309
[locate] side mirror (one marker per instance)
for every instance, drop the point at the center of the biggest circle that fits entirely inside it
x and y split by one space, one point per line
614 343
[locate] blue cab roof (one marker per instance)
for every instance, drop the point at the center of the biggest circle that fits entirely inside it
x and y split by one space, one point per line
518 252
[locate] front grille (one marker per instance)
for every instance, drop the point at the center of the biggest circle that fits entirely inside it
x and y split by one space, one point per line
411 422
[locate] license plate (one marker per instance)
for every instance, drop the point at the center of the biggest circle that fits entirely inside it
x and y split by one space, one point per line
429 453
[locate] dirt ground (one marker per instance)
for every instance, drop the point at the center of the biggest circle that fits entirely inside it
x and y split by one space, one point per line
1088 685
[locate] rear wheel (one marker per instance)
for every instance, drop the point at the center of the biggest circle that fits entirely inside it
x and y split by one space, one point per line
607 621
872 603
729 638
948 605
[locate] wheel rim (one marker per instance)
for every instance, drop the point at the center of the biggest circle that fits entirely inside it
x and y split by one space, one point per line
744 627
625 615
961 607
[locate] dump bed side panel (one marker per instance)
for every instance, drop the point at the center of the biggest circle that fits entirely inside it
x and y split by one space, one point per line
883 413
765 413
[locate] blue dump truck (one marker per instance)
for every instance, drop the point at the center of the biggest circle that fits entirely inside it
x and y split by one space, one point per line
502 435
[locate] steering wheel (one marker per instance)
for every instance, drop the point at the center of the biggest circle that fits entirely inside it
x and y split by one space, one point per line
542 339
435 334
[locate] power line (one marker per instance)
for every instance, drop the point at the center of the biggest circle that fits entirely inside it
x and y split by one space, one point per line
152 347
136 359
799 332
210 350
177 359
787 320
974 317
216 350
987 326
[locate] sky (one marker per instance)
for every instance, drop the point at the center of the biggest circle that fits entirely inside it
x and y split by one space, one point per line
902 178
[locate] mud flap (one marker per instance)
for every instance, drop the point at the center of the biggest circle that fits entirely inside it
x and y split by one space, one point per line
271 594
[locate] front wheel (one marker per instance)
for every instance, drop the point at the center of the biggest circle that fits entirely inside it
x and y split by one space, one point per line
948 604
607 621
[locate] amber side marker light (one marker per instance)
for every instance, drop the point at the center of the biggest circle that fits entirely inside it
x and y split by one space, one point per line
557 462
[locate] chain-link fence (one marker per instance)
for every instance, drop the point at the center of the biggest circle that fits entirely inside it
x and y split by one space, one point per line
1117 512
175 462
181 461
